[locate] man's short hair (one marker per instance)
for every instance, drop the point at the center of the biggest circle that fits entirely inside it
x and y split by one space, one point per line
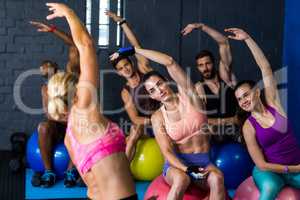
205 53
52 64
117 60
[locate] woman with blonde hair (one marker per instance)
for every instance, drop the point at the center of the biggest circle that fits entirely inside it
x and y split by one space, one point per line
95 145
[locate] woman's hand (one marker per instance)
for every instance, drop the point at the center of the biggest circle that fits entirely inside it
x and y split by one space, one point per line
58 9
238 34
41 27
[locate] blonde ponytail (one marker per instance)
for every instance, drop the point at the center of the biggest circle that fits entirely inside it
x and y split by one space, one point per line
56 106
61 87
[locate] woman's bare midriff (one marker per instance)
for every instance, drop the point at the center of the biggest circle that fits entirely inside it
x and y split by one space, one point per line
101 185
196 144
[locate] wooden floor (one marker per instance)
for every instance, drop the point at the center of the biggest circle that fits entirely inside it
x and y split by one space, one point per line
12 185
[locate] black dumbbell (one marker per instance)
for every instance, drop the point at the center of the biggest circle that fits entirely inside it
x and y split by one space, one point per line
18 142
18 147
15 165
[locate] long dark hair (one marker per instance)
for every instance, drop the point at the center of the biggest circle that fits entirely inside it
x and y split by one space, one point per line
148 104
152 104
153 73
243 115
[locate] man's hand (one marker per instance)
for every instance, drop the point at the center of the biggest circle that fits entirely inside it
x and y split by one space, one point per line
238 34
190 27
114 56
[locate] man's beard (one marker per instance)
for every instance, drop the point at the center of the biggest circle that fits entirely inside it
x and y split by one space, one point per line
211 75
133 73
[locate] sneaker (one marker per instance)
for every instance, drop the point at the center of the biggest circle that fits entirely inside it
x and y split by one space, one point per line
48 179
71 177
36 179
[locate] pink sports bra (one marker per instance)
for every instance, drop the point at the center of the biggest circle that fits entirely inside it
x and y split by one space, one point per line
86 155
190 124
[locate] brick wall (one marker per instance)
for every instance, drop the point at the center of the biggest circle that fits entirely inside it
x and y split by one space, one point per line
23 49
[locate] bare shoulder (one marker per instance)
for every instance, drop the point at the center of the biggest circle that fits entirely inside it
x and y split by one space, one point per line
158 124
44 88
157 120
247 125
248 131
198 85
44 92
125 94
67 142
156 116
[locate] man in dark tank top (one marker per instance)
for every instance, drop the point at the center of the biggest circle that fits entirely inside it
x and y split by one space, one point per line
137 104
221 105
138 107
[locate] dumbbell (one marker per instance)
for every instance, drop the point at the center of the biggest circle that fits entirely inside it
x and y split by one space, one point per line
18 147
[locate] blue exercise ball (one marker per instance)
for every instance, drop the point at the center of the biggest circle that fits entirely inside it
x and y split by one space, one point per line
214 151
235 162
60 156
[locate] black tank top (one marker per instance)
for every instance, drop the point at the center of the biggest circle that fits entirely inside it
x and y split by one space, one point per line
221 105
144 105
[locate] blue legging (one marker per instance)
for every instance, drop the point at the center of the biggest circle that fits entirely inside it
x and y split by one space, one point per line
270 183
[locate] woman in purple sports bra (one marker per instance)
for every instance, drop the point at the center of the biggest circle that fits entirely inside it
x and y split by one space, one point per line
180 128
268 134
96 145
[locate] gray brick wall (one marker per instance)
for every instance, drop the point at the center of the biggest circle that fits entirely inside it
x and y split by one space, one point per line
22 49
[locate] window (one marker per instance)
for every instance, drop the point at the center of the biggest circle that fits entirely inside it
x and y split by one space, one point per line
103 38
118 41
103 21
88 19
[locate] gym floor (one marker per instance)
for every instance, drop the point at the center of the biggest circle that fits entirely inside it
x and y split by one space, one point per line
12 185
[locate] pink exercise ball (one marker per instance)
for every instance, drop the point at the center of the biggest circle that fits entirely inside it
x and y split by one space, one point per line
159 189
248 191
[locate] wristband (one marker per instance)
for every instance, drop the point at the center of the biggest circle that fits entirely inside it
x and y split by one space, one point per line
52 28
126 51
194 173
122 22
